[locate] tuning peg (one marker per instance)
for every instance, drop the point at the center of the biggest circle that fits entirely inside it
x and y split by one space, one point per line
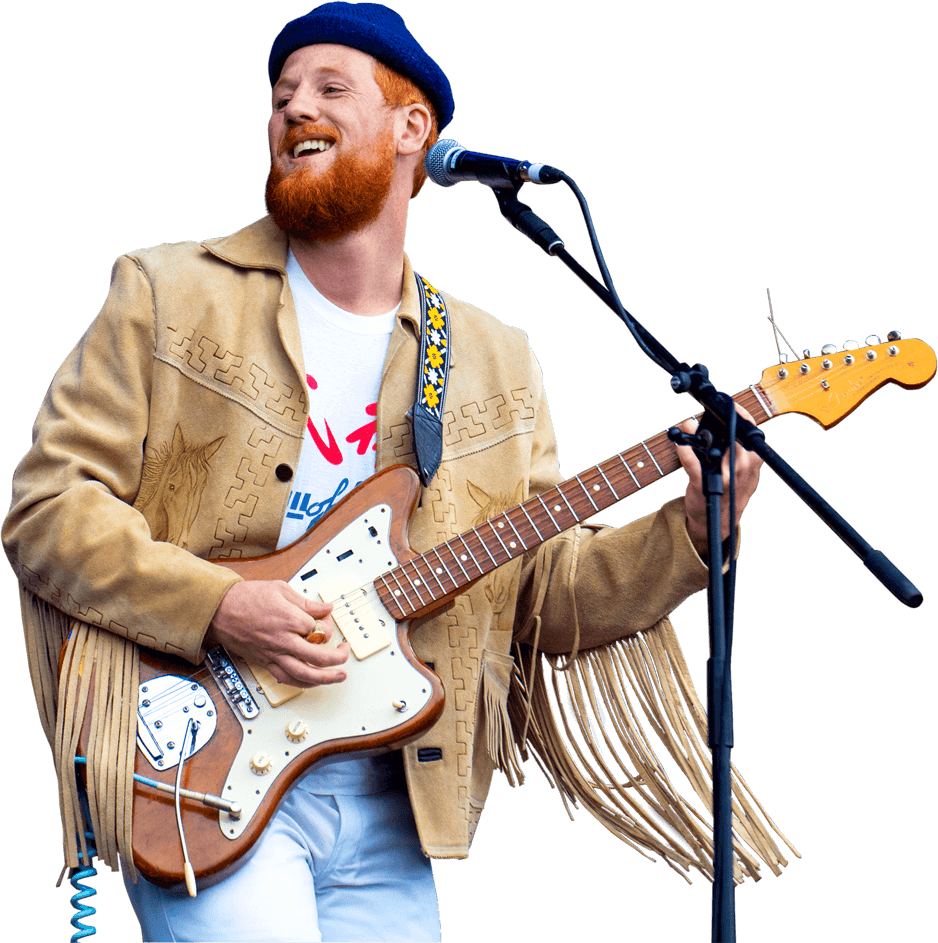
873 339
806 354
893 336
829 349
783 358
851 345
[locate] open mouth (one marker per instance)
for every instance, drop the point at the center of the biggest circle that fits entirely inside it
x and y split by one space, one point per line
310 147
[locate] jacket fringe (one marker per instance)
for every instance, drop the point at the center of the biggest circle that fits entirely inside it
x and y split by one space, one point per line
95 687
592 738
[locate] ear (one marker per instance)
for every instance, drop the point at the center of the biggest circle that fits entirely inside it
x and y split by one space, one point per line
413 128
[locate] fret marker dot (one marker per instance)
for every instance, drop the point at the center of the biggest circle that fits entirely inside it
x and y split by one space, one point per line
463 557
641 464
595 487
501 523
416 582
439 570
512 544
397 592
556 507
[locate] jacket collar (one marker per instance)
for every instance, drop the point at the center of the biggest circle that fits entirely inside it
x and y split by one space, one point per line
264 245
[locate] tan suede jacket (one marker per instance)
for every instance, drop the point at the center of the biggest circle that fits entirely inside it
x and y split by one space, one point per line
168 437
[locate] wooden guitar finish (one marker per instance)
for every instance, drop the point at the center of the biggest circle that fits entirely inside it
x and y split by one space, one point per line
157 850
359 557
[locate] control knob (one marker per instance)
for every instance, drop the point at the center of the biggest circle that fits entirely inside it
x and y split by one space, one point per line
261 764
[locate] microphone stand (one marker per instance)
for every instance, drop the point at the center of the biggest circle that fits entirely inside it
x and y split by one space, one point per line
717 432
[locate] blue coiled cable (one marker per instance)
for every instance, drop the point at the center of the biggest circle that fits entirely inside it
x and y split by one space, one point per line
83 891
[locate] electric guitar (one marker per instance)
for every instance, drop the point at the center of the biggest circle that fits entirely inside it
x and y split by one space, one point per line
255 737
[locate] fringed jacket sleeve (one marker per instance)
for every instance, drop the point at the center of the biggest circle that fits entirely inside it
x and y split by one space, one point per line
72 534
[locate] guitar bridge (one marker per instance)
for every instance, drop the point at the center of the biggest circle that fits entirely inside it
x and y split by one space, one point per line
230 682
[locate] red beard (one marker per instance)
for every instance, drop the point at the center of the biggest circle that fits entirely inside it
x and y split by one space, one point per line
324 207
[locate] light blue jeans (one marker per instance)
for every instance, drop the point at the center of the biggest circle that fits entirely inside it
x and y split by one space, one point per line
328 867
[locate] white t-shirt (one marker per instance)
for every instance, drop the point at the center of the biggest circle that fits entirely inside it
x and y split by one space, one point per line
343 354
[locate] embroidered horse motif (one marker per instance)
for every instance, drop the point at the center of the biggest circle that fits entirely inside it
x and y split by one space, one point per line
174 477
498 591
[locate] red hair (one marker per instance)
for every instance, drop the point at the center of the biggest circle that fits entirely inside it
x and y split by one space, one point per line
400 91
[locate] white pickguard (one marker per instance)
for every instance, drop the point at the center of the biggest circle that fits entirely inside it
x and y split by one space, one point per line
382 691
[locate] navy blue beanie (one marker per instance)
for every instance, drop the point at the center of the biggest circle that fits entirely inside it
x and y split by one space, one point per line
373 29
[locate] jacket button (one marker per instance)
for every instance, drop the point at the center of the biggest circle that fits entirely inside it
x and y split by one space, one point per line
283 472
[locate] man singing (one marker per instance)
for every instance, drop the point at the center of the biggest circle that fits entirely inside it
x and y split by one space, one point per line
227 397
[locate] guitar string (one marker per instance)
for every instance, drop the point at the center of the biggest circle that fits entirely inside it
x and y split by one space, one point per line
777 330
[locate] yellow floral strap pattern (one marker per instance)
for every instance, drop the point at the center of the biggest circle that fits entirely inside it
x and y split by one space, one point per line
432 376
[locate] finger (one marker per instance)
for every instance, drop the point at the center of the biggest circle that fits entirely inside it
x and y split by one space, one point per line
686 454
313 607
295 671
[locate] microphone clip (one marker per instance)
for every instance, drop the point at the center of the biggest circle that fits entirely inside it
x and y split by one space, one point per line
525 220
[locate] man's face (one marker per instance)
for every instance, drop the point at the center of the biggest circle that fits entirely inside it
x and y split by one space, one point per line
332 148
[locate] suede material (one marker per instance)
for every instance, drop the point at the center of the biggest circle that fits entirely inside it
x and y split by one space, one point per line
157 448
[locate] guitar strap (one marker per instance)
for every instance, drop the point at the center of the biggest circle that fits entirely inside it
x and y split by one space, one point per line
432 375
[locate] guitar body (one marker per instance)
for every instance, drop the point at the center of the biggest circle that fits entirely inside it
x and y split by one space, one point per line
256 737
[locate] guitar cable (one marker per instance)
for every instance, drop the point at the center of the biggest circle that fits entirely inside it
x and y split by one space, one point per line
193 726
76 875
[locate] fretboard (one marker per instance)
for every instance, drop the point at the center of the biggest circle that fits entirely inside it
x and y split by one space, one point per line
446 569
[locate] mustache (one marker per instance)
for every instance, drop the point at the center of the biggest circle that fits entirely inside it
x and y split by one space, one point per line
304 133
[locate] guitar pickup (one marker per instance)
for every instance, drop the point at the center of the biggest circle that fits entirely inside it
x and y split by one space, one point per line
364 624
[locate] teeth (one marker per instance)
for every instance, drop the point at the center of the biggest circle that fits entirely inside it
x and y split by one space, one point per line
311 146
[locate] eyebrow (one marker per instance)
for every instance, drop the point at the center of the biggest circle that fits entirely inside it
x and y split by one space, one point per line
321 72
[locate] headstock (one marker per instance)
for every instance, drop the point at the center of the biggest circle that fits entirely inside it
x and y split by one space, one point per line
831 386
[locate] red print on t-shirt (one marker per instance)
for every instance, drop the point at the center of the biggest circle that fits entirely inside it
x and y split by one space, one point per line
360 437
331 451
363 434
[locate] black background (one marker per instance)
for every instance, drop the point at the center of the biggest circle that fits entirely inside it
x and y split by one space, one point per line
720 157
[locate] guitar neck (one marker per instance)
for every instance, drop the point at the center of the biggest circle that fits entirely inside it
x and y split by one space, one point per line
421 583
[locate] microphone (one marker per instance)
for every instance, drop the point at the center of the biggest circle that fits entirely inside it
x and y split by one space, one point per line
448 162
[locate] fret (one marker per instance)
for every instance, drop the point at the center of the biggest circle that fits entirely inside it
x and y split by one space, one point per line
540 536
511 524
652 457
562 493
586 492
485 547
629 470
413 585
433 573
400 589
396 594
445 568
458 561
469 555
762 402
499 539
551 516
608 482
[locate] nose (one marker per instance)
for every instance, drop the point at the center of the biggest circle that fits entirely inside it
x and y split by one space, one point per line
303 106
